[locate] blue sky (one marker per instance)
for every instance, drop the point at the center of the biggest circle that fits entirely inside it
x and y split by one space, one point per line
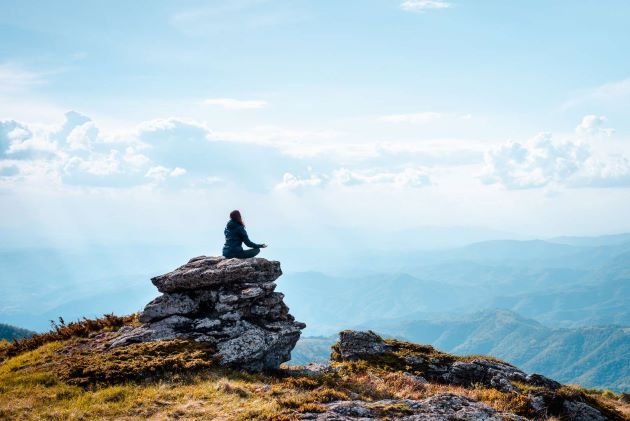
152 119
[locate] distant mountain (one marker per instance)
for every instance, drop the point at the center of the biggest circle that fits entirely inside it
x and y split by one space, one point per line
331 303
602 303
603 240
590 356
9 333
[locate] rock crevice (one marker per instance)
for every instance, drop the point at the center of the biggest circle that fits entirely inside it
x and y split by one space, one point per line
229 303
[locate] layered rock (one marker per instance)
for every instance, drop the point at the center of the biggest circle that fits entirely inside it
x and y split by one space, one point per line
441 407
424 363
229 303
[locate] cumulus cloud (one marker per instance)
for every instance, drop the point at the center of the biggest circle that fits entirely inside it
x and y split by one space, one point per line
423 5
100 165
593 125
534 163
18 141
236 104
83 136
417 118
543 161
611 172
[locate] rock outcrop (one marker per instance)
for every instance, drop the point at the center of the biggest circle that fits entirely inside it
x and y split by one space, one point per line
544 396
441 407
229 303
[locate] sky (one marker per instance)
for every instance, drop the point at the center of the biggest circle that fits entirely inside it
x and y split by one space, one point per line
148 121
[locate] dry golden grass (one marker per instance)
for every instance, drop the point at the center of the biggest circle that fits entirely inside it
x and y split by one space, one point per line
32 388
68 380
61 331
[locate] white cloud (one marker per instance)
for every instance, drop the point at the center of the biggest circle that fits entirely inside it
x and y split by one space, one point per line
408 177
82 137
160 173
134 158
611 172
177 172
544 162
534 163
19 141
416 118
593 125
99 165
236 104
405 178
422 5
292 182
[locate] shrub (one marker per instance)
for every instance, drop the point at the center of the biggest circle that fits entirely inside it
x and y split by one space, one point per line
62 331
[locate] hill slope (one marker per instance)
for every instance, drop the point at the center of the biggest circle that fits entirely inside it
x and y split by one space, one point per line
60 375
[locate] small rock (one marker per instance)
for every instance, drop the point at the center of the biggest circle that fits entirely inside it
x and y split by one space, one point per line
207 324
233 316
168 305
353 345
228 298
249 293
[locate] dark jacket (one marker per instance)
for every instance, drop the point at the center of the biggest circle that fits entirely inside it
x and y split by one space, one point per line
235 236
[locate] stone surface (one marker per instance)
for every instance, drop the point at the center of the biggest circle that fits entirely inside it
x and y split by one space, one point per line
168 305
205 272
441 407
229 303
480 371
544 397
353 345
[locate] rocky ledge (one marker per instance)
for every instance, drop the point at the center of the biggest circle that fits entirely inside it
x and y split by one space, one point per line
543 398
441 407
228 303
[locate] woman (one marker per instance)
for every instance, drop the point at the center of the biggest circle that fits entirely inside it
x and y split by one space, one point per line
235 235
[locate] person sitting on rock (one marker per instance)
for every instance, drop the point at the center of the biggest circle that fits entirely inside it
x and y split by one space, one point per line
235 236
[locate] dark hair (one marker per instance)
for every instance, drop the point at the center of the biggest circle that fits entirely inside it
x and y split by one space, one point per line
236 217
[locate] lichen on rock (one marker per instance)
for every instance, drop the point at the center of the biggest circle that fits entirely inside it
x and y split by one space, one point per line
543 396
228 303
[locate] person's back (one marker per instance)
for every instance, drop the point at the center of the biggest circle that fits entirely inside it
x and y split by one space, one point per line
235 236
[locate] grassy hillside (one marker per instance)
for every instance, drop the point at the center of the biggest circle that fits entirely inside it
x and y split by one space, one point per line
64 375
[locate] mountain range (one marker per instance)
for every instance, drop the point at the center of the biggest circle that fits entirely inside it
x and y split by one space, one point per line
9 333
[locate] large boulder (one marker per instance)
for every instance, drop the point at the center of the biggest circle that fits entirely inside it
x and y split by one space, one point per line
228 303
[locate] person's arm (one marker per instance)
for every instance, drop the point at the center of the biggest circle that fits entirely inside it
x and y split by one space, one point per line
247 241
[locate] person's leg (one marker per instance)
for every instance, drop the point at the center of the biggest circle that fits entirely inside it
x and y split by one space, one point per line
249 253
